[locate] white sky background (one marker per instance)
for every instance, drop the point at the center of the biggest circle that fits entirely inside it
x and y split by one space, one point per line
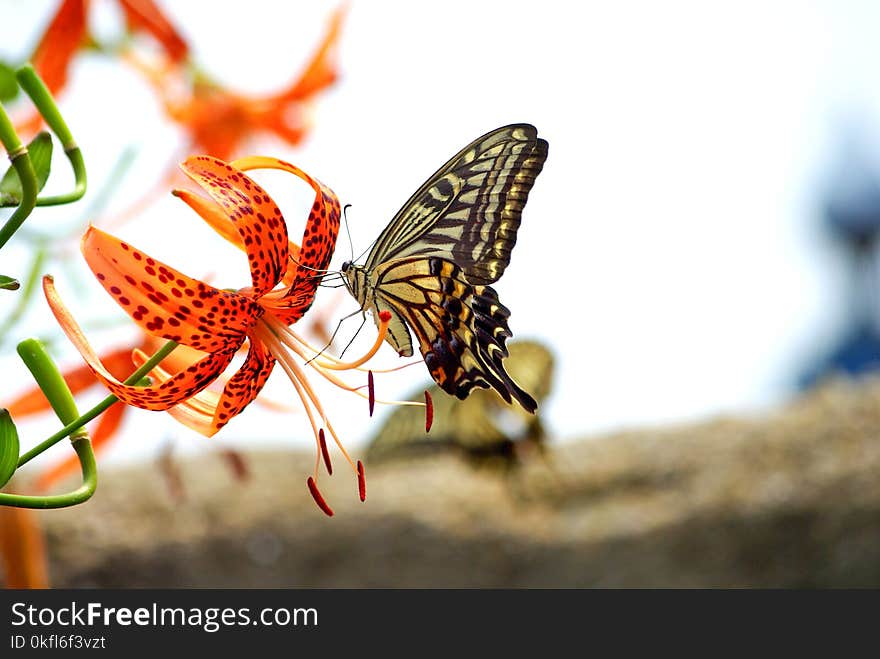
671 251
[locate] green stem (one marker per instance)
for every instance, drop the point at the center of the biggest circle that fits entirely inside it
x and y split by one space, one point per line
98 409
51 382
49 379
24 168
42 98
83 448
74 155
8 136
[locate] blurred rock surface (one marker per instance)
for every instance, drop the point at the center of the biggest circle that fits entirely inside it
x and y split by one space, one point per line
787 499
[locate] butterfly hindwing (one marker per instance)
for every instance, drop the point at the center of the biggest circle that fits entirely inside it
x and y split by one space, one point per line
481 426
461 328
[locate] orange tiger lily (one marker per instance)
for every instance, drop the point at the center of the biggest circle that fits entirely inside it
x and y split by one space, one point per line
219 120
169 304
66 35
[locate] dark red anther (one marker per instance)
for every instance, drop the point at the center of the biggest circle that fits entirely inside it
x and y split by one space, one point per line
324 452
316 495
372 391
385 315
429 412
362 481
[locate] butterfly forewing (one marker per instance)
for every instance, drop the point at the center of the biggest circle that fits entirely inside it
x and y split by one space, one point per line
469 211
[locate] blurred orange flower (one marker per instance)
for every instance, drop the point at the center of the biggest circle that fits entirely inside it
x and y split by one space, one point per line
22 549
218 120
66 34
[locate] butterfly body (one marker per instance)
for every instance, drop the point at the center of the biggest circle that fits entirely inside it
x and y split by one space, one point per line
431 266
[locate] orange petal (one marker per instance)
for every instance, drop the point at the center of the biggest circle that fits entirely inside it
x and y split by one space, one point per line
244 386
197 412
165 302
179 387
321 71
22 548
318 242
211 213
145 15
256 217
59 44
78 379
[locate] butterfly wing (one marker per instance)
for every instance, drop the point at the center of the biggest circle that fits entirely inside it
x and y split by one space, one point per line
461 327
469 211
474 425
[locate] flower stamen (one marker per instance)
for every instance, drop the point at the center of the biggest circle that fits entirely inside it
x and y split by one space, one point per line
362 481
337 365
325 452
429 411
319 499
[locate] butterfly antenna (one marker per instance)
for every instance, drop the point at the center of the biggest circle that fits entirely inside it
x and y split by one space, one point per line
350 241
348 231
369 247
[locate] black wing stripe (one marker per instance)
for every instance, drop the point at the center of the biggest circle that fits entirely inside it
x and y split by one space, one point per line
471 207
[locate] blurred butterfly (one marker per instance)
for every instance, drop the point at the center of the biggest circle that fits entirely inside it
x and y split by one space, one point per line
483 427
431 266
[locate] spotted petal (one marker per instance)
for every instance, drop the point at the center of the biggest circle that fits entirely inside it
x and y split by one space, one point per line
165 302
208 411
318 242
244 386
196 412
214 216
256 217
179 387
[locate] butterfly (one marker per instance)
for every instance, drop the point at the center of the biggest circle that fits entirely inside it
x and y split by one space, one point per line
482 427
432 265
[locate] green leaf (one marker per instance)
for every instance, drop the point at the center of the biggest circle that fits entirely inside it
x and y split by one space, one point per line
8 447
40 152
8 283
8 84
